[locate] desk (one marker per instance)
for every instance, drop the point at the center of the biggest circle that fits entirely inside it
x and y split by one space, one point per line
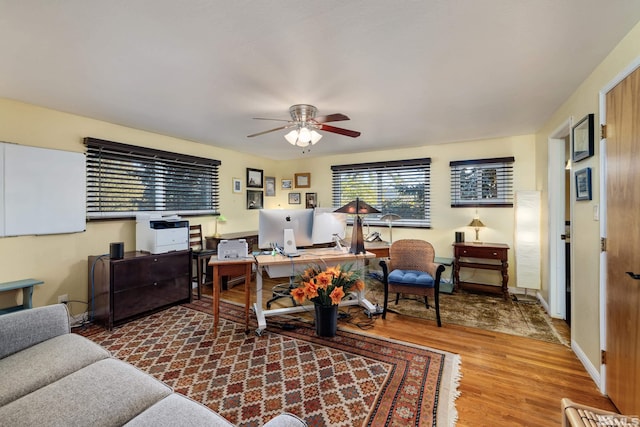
485 256
231 267
281 266
27 291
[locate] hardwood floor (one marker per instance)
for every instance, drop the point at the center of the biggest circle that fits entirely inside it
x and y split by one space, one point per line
506 380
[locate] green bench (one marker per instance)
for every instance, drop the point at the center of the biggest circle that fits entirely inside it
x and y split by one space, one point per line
27 291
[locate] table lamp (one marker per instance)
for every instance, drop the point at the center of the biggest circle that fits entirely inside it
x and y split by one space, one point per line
219 218
389 218
357 207
476 223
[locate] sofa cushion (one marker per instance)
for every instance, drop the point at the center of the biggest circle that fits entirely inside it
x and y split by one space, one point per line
177 409
411 278
22 329
42 364
106 393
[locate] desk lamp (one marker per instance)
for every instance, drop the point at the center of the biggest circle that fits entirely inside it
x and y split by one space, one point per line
476 223
389 218
358 208
219 218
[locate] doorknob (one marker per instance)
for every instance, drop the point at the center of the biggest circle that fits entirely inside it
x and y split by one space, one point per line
633 275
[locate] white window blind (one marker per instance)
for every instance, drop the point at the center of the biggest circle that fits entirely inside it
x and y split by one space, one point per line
125 179
401 187
482 182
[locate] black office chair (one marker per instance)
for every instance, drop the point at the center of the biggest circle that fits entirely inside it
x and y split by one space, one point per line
200 255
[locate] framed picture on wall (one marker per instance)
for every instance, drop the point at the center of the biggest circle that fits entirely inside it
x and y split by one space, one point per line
310 200
286 184
583 184
270 186
237 185
302 180
582 135
294 198
254 199
254 178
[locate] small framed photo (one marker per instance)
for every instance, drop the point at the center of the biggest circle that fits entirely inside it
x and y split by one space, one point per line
254 199
237 185
254 178
583 184
310 200
286 184
303 180
294 198
582 135
270 186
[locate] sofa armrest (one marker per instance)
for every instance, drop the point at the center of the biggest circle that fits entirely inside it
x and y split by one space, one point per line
25 328
286 420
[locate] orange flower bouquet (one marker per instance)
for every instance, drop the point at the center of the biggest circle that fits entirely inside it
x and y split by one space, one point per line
327 287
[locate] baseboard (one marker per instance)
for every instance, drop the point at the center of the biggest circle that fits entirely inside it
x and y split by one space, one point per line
594 372
543 302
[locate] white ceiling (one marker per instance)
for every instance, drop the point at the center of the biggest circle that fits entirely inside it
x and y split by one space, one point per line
407 72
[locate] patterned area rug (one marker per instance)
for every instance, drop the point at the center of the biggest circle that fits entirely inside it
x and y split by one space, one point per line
521 317
349 380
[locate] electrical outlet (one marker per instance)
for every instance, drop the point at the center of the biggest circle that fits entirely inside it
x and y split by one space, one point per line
63 299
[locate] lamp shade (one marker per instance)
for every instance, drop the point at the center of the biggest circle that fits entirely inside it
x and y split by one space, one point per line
390 217
357 207
476 223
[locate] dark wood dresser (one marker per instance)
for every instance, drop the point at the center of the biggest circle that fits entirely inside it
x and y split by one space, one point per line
136 285
484 256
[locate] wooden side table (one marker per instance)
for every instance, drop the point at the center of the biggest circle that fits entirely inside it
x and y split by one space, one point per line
485 256
231 267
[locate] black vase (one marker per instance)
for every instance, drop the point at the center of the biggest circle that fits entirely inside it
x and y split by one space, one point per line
326 320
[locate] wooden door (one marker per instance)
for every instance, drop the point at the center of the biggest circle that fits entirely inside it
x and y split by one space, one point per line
623 244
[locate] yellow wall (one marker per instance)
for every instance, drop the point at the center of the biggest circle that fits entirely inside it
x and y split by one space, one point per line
61 260
585 236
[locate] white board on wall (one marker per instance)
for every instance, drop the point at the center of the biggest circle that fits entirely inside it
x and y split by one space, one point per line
44 191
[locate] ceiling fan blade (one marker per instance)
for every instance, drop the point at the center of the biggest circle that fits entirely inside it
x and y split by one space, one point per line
267 131
338 117
341 131
277 120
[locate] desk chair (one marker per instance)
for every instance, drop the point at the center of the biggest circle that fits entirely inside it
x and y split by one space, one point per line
200 255
411 269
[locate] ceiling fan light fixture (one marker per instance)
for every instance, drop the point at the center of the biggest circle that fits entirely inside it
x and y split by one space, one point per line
292 137
304 135
315 137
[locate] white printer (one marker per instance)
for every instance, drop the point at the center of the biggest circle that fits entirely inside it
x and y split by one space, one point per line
157 234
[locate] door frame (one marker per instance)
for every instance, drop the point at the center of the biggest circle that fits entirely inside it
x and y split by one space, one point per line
556 200
602 111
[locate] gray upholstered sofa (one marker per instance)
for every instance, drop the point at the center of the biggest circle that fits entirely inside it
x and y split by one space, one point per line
52 377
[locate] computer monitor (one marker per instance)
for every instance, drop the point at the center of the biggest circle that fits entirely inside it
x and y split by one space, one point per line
273 222
326 224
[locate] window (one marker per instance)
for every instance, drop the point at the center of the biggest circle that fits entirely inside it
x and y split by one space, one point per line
401 187
483 182
125 179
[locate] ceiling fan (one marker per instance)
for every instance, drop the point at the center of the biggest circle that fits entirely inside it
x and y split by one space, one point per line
304 125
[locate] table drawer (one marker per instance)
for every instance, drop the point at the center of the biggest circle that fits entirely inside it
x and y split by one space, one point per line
486 253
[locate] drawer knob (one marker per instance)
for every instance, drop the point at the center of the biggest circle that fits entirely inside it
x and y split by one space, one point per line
495 254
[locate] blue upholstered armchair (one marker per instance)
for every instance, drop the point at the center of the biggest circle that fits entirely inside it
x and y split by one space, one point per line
411 270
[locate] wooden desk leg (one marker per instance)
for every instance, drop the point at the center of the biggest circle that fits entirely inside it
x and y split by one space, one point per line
247 296
216 296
